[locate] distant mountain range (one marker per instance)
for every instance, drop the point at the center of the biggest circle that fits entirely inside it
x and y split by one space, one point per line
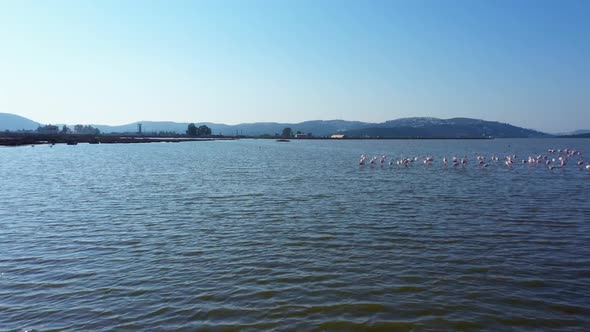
582 135
579 132
405 127
317 128
423 127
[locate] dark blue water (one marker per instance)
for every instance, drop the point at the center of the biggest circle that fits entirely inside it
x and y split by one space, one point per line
261 235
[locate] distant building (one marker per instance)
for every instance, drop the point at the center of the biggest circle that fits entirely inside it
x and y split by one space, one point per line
303 135
338 136
48 130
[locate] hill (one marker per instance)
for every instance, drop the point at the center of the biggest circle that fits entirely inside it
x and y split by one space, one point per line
583 135
13 122
420 127
317 128
580 132
444 128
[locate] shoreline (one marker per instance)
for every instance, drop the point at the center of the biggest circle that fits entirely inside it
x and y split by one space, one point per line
17 139
21 139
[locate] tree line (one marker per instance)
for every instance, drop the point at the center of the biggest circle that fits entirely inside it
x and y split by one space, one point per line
200 131
78 129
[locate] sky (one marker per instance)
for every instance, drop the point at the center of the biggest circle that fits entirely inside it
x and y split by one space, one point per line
525 62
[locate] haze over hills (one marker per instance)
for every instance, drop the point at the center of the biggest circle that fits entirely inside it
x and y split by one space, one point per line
15 122
318 128
580 132
405 127
425 127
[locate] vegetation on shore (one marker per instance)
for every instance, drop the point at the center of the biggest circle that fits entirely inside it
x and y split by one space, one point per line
19 139
409 128
201 131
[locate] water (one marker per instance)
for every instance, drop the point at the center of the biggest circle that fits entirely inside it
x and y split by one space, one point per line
261 235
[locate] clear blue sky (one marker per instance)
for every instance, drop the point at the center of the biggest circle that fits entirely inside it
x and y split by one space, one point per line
114 62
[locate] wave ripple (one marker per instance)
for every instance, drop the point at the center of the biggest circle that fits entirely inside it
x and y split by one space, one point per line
253 235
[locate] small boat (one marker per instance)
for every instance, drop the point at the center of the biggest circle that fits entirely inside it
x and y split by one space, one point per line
283 140
72 143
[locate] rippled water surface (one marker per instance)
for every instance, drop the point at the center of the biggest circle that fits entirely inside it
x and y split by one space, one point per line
262 235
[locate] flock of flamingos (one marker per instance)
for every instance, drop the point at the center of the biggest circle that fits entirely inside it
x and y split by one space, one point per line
554 159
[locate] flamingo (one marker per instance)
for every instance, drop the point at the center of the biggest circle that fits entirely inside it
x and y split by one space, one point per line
559 160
